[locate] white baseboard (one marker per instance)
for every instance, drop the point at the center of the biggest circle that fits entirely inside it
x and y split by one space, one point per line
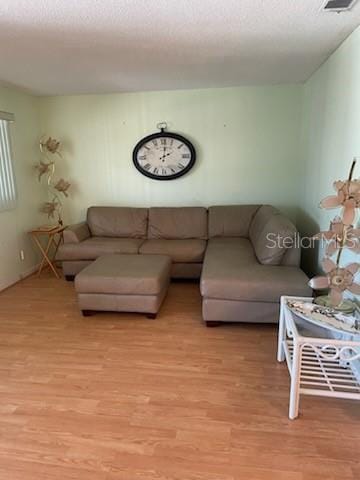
16 278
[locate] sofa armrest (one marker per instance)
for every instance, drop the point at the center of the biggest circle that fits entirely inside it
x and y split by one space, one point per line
76 233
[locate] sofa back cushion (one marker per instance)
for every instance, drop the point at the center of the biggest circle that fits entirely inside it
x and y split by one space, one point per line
271 234
231 220
118 222
177 222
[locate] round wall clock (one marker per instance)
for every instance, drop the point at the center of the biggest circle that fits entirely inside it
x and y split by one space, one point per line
164 155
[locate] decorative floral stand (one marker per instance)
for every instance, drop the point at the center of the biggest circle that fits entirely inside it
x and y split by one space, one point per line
318 363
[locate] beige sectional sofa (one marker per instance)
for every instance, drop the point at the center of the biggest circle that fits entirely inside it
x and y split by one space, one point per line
243 253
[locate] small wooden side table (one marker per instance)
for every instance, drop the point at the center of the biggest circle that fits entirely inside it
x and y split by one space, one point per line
54 237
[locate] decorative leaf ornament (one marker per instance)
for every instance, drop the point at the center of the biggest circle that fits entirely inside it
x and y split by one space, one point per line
50 149
341 235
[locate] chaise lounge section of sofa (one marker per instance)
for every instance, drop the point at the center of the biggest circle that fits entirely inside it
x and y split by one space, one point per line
252 258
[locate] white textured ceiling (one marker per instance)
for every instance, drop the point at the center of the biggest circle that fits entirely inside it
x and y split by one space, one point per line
98 46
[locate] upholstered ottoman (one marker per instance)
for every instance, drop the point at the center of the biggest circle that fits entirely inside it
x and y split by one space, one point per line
124 283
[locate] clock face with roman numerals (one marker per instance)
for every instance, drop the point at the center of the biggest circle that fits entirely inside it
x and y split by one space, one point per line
164 156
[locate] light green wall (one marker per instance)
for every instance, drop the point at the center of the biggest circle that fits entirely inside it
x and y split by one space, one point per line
247 140
251 149
331 135
15 223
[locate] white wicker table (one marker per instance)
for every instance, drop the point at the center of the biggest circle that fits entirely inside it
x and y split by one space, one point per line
318 365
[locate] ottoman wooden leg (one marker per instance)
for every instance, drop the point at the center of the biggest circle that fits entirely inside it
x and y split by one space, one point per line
87 313
151 315
212 324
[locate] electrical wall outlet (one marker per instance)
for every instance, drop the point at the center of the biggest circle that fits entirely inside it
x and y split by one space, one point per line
22 255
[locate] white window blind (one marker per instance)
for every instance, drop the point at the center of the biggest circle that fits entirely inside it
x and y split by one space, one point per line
7 179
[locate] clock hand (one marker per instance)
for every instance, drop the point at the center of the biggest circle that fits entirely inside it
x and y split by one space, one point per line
165 155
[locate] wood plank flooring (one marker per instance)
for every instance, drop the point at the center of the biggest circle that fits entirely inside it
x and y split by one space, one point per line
122 397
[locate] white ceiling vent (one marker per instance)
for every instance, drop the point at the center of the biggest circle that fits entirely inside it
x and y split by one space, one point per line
338 5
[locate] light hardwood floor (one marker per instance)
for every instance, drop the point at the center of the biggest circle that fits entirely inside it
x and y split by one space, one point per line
122 397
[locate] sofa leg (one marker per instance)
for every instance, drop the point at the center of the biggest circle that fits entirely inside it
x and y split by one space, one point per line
87 313
69 278
212 323
152 316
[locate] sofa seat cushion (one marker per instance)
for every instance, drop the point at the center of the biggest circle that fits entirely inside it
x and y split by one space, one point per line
238 251
180 251
232 272
94 247
125 275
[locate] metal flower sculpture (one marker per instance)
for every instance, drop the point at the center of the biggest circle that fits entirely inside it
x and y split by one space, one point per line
348 196
342 235
340 232
62 186
49 147
49 208
43 168
337 280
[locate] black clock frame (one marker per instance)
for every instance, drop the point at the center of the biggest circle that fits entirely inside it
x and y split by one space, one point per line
161 134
